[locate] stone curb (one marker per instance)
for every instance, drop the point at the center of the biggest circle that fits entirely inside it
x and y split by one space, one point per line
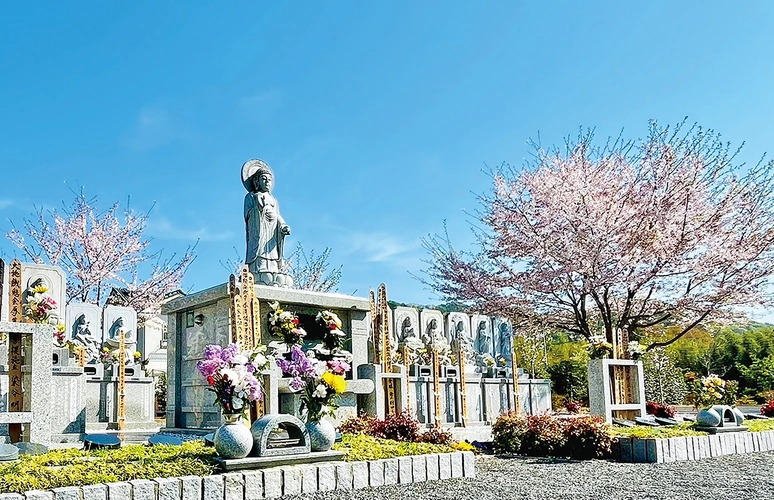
273 482
679 449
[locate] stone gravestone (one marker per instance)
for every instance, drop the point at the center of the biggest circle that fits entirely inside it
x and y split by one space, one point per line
53 278
116 319
84 329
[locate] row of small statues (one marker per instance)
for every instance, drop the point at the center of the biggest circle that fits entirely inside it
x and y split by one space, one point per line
480 349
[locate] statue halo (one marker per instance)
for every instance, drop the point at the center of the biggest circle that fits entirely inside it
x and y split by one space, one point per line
252 167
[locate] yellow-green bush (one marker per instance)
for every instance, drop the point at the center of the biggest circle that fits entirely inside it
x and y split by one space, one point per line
362 447
77 467
647 432
760 425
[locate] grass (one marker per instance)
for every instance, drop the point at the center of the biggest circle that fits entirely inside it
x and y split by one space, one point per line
361 447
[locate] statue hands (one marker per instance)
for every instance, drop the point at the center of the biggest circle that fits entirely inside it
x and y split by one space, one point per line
285 229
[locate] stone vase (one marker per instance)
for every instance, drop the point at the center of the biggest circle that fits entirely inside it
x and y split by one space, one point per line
322 435
233 439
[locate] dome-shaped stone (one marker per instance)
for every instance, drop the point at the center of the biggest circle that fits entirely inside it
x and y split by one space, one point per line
708 418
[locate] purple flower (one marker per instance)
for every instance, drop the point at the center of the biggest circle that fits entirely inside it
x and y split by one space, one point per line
209 367
229 353
296 384
212 351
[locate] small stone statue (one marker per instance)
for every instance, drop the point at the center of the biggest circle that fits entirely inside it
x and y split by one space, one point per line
461 341
483 338
505 341
82 337
114 339
265 227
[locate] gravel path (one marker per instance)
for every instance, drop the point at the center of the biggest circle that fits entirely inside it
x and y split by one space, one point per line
733 477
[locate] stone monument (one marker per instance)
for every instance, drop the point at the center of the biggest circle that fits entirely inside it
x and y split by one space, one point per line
85 329
265 228
117 319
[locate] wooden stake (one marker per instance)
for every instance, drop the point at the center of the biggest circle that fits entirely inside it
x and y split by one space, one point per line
15 356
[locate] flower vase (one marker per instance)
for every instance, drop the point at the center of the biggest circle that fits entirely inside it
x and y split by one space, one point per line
322 435
233 439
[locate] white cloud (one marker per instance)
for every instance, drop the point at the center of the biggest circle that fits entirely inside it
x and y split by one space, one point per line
152 129
382 247
163 228
5 203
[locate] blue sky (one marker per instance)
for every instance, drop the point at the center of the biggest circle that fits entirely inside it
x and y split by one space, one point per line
377 117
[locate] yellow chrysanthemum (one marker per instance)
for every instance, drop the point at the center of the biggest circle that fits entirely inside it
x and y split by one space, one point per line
40 289
335 382
61 328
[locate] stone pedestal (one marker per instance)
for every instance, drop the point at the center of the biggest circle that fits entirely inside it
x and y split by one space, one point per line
612 398
190 405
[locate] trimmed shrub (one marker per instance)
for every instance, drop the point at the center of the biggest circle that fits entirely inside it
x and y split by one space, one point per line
573 406
508 432
437 436
544 436
660 409
361 424
767 410
398 427
587 437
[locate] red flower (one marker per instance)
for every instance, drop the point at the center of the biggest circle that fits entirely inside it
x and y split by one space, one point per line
332 325
211 380
295 321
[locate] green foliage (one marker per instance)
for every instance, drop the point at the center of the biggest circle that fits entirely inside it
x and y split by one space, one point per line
161 391
664 382
759 375
544 435
70 467
647 432
570 378
362 447
743 353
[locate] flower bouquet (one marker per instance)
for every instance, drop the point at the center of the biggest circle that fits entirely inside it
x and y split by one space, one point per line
284 324
60 339
333 338
318 381
599 348
710 390
39 304
230 374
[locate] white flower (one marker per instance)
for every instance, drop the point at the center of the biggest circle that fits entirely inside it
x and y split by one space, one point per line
260 361
320 391
241 359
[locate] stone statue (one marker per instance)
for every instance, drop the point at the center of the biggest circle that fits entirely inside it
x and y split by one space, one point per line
82 337
461 341
406 331
114 339
504 339
483 338
266 230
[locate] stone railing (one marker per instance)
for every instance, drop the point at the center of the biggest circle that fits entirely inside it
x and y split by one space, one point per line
273 482
693 447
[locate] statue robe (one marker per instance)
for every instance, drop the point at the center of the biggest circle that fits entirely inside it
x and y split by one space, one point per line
264 238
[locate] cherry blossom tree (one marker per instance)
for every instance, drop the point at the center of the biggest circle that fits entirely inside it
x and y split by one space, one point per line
667 230
312 272
100 251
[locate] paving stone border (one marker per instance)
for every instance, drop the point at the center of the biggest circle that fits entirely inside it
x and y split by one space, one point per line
272 482
678 449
